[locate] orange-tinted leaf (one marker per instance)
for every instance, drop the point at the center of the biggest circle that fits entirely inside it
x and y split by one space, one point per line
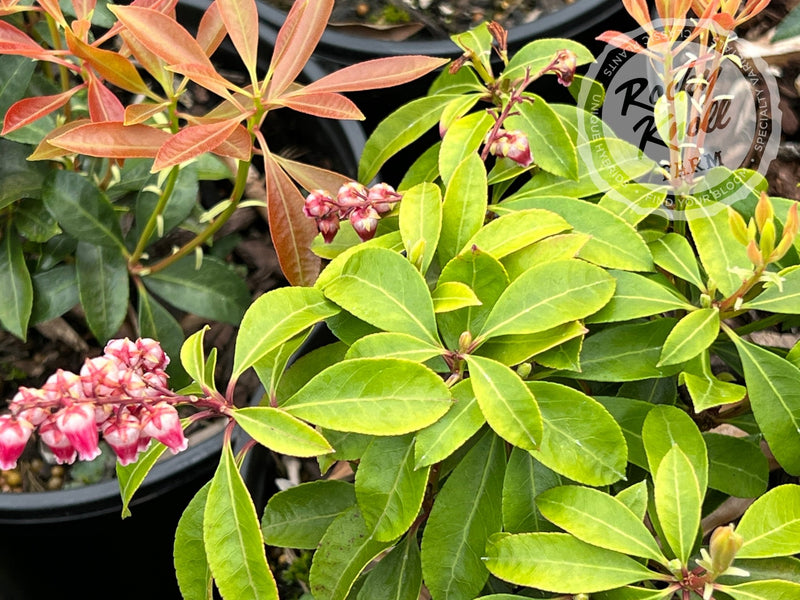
238 146
296 40
241 21
103 104
640 12
206 76
83 7
163 6
211 30
152 63
622 41
112 67
193 141
52 8
139 113
81 27
161 34
14 41
377 73
112 140
28 110
47 151
322 104
310 177
292 232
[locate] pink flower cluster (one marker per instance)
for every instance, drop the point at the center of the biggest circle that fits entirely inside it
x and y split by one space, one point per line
513 145
361 205
122 394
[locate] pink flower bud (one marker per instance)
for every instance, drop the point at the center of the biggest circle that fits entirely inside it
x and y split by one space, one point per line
123 434
30 404
151 355
383 197
163 424
77 422
124 351
513 145
328 226
351 195
156 382
134 385
564 65
318 204
365 222
57 442
14 434
63 387
100 377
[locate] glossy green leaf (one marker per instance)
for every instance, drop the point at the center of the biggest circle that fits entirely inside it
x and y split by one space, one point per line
464 137
630 415
463 208
275 317
635 498
548 295
549 561
15 279
674 254
536 55
705 389
308 365
15 74
299 516
377 396
55 291
507 404
466 512
452 295
398 575
345 549
438 441
638 296
232 537
21 178
775 400
782 567
614 243
679 500
779 299
633 201
191 565
512 232
565 355
525 479
555 247
34 222
280 432
666 427
388 489
692 335
421 222
214 291
764 590
552 148
598 519
393 345
193 358
514 349
424 168
581 440
347 446
458 107
131 476
157 322
634 593
736 466
771 525
382 288
102 287
270 367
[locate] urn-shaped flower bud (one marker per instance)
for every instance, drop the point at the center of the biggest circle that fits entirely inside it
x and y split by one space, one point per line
122 433
151 355
513 145
57 442
77 422
723 546
163 424
365 222
14 434
328 226
318 204
124 351
383 197
351 195
564 65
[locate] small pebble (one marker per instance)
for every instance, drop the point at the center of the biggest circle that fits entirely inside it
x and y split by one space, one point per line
37 464
55 483
13 478
57 471
362 9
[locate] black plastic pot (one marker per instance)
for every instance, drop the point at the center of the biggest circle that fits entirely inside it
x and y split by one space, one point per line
73 543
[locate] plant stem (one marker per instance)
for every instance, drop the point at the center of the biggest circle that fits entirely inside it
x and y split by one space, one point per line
150 226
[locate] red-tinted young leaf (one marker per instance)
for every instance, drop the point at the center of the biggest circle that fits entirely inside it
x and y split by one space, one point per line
103 104
112 67
28 110
14 41
206 76
241 21
238 146
83 7
310 177
47 151
292 232
81 27
377 73
151 63
621 41
112 140
52 8
322 104
211 30
296 40
163 6
139 113
193 141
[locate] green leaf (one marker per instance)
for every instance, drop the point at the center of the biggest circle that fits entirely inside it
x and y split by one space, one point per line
581 440
635 593
766 568
466 512
398 575
558 562
552 148
131 476
452 295
630 415
633 202
393 345
679 501
55 291
555 247
270 368
775 400
157 322
299 516
614 243
382 288
348 446
82 210
191 565
345 549
424 168
308 365
398 130
438 441
214 291
508 405
463 138
102 287
565 355
421 222
274 318
232 536
693 334
635 498
33 222
377 396
388 489
598 519
674 254
512 232
15 75
779 299
771 525
666 427
548 295
21 178
704 388
193 358
15 281
638 296
525 479
280 432
536 55
182 201
464 207
788 27
736 466
764 590
514 349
